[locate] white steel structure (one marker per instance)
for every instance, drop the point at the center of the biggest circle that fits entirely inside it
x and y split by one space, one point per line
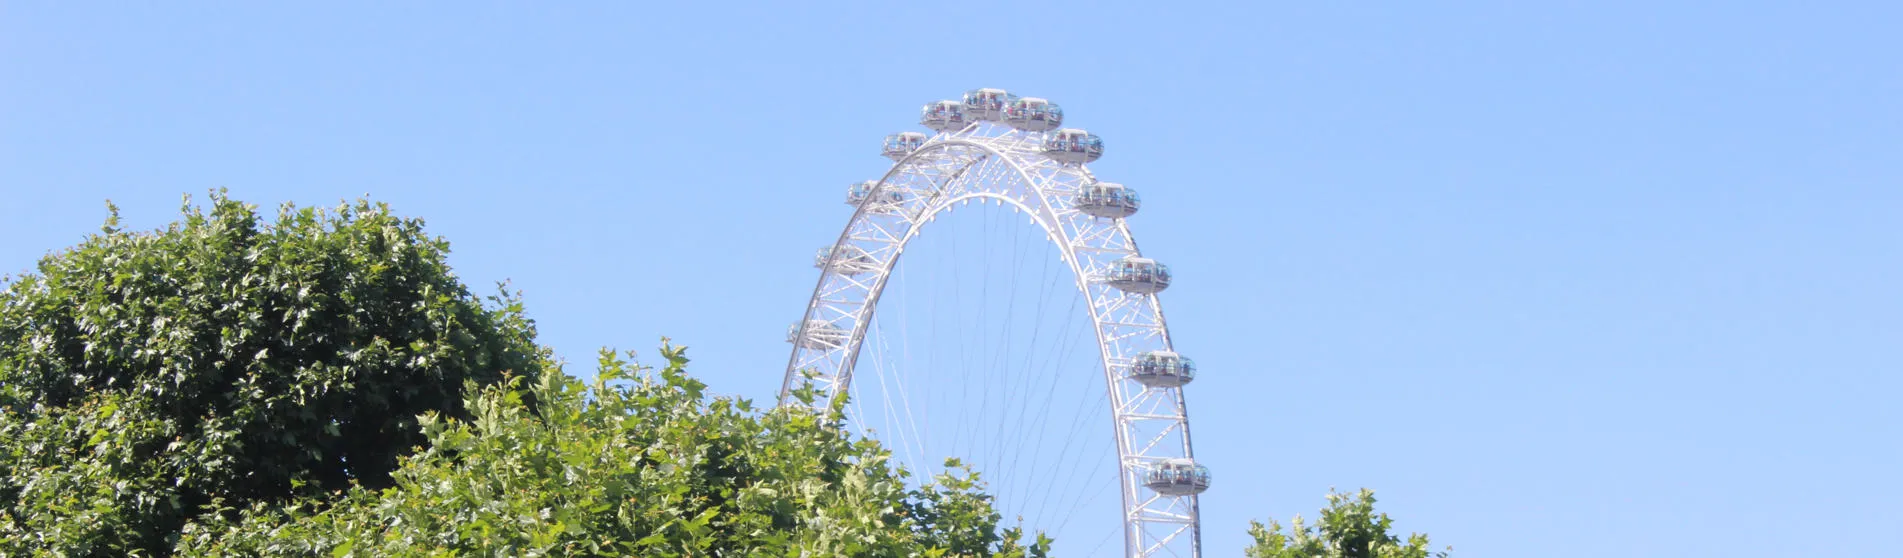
996 148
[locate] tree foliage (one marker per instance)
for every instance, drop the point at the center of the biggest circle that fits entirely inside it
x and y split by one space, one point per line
224 361
640 463
322 384
1349 528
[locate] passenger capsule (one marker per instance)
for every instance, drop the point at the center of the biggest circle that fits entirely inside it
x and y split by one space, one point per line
944 116
819 335
1162 369
897 146
1109 200
1137 275
1072 146
853 260
987 104
887 199
1032 114
1176 477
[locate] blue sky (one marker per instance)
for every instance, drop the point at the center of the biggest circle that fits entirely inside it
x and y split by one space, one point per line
1565 279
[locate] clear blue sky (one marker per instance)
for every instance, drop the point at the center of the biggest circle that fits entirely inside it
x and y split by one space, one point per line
1582 279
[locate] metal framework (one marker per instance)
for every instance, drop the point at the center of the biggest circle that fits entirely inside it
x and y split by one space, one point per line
988 161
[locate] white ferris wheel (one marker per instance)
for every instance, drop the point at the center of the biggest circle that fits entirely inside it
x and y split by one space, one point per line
1002 153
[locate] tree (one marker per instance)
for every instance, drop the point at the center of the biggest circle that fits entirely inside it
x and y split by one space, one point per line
638 463
1349 528
225 363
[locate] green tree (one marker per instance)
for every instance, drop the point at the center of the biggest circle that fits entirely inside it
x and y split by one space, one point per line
1349 528
638 463
226 362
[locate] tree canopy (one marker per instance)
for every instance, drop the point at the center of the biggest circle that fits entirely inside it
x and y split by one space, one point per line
1349 528
225 360
640 463
323 384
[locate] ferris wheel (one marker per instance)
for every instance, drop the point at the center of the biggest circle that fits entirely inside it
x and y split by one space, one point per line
1004 152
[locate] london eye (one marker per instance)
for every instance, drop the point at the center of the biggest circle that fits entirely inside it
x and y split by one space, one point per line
1004 153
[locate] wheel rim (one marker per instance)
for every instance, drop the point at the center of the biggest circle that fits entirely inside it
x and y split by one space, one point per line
990 162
